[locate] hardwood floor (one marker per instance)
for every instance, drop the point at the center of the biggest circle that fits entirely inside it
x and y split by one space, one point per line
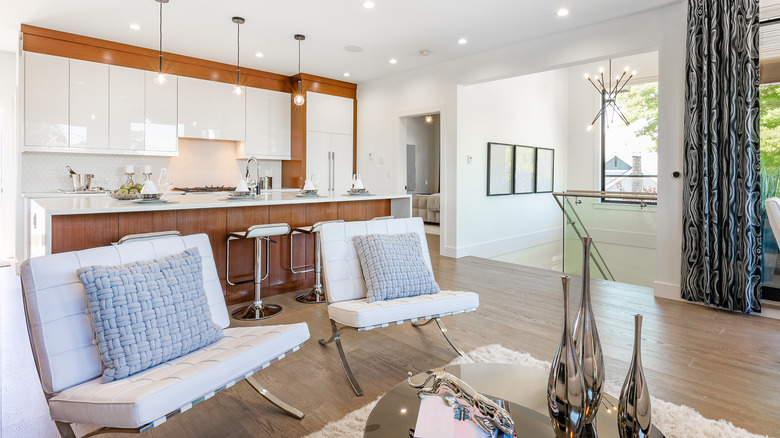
723 365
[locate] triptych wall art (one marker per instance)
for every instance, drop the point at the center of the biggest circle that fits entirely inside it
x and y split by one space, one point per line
516 169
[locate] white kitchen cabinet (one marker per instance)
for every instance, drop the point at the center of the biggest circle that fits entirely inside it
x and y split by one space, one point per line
160 115
46 100
88 104
210 110
267 125
326 113
125 108
280 145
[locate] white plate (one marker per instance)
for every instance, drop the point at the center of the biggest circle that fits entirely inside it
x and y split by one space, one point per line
154 201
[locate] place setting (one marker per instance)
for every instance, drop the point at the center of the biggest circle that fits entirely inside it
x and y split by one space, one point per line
310 188
241 193
357 188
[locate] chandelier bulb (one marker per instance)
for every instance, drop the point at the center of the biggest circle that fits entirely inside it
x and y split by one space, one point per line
589 128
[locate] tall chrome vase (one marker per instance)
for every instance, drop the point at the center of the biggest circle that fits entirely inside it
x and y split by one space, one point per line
633 417
565 395
587 343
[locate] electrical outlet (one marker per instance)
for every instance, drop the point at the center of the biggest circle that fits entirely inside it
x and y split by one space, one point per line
469 159
371 156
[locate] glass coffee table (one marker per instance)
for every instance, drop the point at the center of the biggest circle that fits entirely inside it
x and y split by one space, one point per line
395 414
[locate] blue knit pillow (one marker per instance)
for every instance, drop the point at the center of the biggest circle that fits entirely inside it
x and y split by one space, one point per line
148 312
393 266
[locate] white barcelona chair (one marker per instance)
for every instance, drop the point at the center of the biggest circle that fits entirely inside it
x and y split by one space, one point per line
346 290
68 361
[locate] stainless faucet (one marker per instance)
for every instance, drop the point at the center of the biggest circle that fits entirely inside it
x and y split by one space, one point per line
257 173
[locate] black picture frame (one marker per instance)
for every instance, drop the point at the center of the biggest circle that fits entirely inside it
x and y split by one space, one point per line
545 170
524 170
500 169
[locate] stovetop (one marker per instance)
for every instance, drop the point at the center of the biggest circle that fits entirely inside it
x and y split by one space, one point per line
204 189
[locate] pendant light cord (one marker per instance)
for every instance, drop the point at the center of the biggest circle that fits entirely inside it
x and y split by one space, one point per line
161 36
238 54
299 57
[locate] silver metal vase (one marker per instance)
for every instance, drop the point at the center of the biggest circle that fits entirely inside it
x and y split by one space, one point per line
587 343
633 417
565 394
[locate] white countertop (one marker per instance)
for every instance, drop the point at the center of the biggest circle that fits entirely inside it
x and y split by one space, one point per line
80 204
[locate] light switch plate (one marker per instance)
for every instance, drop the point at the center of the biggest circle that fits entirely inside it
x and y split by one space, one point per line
469 159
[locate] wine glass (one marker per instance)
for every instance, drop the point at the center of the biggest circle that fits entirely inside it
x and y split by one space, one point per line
165 182
315 179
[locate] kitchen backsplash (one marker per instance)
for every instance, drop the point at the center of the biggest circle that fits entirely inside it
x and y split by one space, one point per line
200 162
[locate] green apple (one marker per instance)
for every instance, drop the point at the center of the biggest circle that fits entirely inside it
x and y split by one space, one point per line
138 186
123 190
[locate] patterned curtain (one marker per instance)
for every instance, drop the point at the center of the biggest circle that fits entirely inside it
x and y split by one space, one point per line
721 194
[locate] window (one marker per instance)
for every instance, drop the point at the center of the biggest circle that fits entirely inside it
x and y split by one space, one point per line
630 152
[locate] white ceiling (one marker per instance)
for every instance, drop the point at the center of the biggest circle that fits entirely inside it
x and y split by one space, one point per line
393 29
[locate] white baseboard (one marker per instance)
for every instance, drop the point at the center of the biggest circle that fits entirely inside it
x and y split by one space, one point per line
667 290
519 242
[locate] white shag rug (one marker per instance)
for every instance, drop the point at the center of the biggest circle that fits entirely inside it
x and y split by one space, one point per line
673 420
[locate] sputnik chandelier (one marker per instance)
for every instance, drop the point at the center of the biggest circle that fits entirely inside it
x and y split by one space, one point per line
609 93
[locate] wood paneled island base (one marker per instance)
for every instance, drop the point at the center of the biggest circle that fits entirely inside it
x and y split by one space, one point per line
71 232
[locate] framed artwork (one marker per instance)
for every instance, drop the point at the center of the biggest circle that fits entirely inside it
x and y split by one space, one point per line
545 160
525 169
500 169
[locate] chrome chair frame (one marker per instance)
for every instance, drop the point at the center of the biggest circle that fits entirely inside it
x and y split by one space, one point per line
317 293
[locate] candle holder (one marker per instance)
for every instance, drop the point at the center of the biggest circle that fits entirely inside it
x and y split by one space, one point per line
130 181
147 176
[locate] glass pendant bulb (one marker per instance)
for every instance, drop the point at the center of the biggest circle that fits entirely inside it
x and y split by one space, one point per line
298 99
160 78
237 90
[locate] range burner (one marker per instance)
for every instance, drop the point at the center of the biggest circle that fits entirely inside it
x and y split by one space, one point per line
204 189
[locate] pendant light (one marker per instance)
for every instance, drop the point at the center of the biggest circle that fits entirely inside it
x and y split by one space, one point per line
160 78
237 90
298 99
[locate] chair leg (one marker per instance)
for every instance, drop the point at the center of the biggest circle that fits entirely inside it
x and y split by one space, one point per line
420 324
336 336
447 337
65 430
274 399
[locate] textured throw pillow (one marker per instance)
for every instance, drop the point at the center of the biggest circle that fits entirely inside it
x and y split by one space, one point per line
148 312
393 266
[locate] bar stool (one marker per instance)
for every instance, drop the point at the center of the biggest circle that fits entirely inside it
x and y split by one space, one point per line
316 295
257 310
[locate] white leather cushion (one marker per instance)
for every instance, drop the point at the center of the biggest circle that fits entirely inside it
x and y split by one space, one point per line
148 312
393 266
56 304
342 276
149 395
361 313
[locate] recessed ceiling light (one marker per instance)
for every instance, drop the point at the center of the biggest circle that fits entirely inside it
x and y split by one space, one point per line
368 4
346 75
393 61
259 54
562 12
463 41
135 27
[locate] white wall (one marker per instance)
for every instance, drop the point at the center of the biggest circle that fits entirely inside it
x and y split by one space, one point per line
527 110
8 152
381 102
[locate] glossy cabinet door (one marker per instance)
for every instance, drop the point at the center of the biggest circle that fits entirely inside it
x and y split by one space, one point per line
210 110
88 105
125 108
317 163
160 116
258 128
280 133
325 113
46 100
341 146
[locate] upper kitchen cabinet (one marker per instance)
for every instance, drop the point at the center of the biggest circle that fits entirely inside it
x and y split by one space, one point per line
326 113
46 100
88 105
161 115
210 110
125 108
267 125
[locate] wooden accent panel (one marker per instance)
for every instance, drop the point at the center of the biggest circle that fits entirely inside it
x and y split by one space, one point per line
242 261
146 222
377 208
81 231
52 42
295 216
211 221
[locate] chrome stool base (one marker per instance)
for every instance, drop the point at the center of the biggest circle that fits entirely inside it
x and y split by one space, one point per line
314 296
255 312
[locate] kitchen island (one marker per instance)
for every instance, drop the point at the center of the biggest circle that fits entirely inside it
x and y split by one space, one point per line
72 223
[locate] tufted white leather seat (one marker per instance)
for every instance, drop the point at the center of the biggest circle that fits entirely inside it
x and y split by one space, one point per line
346 290
67 359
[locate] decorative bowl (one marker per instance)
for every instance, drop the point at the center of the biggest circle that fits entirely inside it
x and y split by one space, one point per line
123 196
308 192
358 190
242 194
149 196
